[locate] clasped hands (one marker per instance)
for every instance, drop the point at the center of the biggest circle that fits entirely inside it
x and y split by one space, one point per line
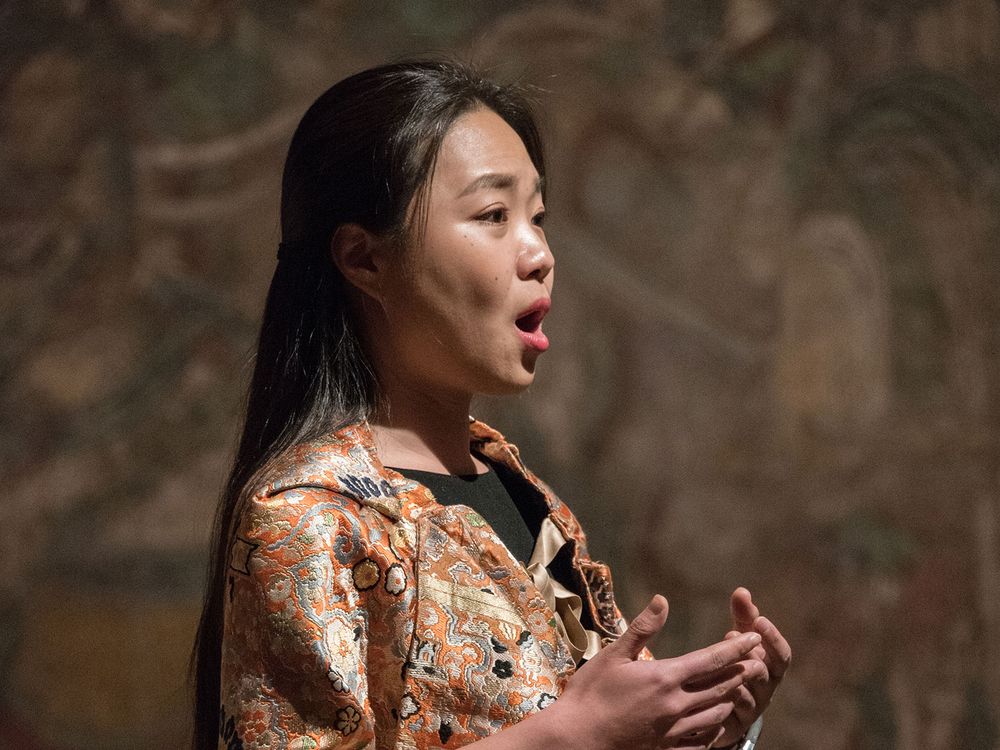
704 699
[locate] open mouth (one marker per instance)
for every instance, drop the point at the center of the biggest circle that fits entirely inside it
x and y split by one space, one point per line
531 321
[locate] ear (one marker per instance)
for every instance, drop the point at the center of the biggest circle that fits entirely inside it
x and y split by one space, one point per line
359 255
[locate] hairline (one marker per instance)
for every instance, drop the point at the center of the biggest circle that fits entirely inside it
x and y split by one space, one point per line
415 217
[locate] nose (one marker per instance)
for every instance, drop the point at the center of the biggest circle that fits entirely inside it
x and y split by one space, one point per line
535 259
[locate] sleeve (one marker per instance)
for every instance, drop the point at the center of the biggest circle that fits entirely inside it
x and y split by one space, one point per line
297 625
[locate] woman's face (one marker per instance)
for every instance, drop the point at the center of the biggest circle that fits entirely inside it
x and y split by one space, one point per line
464 309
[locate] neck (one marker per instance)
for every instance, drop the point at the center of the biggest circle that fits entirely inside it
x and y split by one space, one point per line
424 431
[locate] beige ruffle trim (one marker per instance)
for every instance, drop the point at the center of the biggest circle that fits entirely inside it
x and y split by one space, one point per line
568 607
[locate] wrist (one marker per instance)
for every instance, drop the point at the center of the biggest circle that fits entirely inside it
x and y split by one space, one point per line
559 724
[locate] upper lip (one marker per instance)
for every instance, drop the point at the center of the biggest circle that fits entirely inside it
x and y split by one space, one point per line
535 312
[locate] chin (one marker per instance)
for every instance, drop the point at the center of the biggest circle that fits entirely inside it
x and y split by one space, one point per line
510 385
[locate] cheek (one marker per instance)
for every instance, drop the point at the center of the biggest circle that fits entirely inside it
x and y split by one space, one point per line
479 286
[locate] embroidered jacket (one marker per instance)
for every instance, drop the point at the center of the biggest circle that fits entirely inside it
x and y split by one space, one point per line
361 613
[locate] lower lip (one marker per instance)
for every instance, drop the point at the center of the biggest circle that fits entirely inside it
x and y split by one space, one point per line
535 339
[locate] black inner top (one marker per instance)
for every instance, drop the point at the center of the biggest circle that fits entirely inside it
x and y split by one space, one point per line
513 507
508 503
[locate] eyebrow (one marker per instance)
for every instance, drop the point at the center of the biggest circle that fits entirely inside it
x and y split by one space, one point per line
497 181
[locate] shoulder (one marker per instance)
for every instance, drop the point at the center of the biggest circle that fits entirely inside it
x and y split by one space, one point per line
324 496
342 464
310 541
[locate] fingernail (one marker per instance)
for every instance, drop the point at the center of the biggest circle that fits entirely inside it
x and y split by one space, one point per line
656 605
752 639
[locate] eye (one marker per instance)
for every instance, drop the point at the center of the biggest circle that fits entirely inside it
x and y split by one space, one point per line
539 219
494 216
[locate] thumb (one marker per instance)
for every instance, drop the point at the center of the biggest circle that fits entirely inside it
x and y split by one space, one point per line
646 624
743 610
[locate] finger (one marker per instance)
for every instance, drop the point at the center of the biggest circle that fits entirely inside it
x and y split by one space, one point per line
691 726
722 688
712 658
743 610
749 670
778 654
744 705
647 624
745 711
757 653
734 729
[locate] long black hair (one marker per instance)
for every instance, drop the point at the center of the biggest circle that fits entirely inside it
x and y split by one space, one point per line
363 153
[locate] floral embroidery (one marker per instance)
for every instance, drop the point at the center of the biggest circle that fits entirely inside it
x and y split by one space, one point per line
404 659
366 574
279 589
337 680
408 706
348 719
503 668
545 701
395 579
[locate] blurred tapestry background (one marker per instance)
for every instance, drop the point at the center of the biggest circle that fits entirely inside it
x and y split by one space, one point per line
774 333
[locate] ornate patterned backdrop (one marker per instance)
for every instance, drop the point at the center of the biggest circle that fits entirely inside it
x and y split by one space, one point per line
775 329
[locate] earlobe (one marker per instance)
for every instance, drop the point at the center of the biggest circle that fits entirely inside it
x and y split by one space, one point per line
357 254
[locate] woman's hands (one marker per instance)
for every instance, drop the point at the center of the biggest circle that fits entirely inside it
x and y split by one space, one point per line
752 697
617 701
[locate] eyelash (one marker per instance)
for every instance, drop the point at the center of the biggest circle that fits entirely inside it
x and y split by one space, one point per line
538 219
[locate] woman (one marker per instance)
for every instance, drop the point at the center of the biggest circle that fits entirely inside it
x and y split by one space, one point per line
352 605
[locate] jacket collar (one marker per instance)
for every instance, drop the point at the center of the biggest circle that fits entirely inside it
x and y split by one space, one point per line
410 499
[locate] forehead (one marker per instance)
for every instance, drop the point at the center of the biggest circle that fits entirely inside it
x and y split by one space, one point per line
479 142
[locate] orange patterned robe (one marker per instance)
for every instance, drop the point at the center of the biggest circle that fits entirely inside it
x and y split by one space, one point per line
361 613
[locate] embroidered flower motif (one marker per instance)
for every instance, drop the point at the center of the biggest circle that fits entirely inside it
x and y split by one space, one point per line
366 574
337 680
395 579
399 541
348 720
503 668
545 700
340 643
508 632
334 592
408 706
279 588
